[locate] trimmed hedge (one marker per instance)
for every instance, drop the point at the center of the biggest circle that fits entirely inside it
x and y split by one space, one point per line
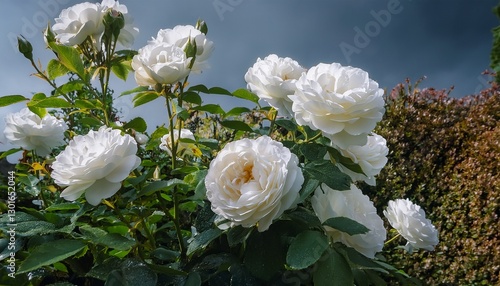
445 156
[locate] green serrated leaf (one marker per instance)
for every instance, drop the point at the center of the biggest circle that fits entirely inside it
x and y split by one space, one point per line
11 99
333 270
202 240
138 124
192 97
212 108
237 235
135 90
306 249
346 225
237 111
237 125
56 69
313 151
287 124
50 102
144 97
325 172
9 152
70 58
121 70
85 104
219 90
162 185
71 86
246 94
50 253
199 88
63 207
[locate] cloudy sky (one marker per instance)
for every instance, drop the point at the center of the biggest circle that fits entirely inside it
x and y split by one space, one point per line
446 41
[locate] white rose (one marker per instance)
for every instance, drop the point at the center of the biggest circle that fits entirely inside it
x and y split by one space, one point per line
252 182
342 102
179 36
182 147
409 220
273 79
78 22
328 203
371 157
30 132
160 63
95 164
128 32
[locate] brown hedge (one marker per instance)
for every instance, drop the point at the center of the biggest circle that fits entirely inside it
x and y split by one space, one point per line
445 156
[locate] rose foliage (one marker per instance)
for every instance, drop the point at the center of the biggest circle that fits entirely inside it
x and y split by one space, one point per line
261 196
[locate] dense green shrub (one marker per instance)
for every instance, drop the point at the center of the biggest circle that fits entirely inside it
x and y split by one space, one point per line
445 156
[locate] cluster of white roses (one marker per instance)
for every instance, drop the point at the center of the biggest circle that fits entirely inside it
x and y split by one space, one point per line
251 182
86 20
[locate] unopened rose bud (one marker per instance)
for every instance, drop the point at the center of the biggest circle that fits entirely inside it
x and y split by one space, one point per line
25 47
202 26
141 138
49 36
114 22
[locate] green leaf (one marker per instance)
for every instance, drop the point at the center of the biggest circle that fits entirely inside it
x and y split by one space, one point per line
50 102
144 97
325 172
11 99
121 70
111 240
138 124
333 270
345 161
71 86
55 69
135 90
219 90
50 253
313 151
306 249
287 124
192 97
162 185
246 94
84 104
202 240
193 279
90 121
199 88
237 125
212 108
9 152
346 225
310 185
237 235
70 58
63 207
237 111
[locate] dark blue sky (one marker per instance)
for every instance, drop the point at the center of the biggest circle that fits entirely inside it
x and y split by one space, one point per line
446 41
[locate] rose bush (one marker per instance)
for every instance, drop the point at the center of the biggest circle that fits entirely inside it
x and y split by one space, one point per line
258 196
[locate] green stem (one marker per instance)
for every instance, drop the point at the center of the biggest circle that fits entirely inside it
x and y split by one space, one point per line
392 239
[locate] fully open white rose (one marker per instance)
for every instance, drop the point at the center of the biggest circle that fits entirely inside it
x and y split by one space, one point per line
410 221
160 63
328 203
342 102
128 32
252 182
78 22
180 35
371 157
95 164
273 80
30 132
182 147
